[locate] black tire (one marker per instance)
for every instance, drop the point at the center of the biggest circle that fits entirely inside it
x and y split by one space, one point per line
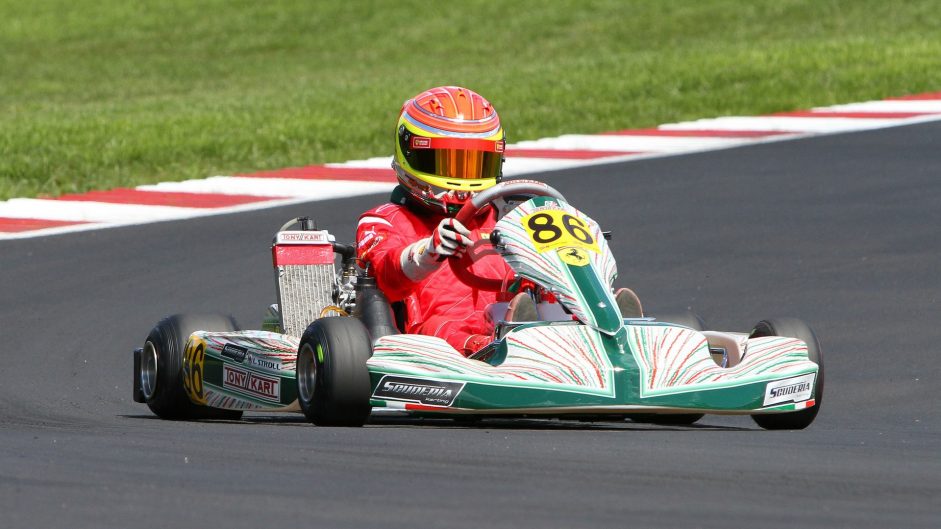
693 321
168 399
792 328
333 388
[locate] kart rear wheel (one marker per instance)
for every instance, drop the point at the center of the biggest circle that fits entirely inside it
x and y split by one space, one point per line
333 387
161 367
792 328
693 321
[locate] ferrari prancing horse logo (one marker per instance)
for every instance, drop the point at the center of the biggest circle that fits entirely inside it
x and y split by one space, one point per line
573 256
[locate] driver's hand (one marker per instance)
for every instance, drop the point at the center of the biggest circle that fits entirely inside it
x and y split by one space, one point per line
420 259
449 239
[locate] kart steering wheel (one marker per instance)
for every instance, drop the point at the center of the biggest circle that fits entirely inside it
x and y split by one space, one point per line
469 216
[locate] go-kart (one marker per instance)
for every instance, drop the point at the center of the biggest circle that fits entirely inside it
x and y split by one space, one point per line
331 347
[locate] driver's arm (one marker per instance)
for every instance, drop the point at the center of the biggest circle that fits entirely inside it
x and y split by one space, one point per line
419 259
399 257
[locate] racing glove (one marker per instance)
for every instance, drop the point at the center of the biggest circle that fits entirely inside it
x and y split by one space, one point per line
423 257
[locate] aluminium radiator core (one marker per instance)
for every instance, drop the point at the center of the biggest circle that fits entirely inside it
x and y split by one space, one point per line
304 277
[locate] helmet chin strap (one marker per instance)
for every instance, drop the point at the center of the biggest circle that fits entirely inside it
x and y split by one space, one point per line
440 201
458 195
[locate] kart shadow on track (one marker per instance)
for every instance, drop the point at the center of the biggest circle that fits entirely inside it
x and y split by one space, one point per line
546 424
246 420
509 423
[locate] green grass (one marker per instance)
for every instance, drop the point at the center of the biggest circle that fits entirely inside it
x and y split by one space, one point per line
105 93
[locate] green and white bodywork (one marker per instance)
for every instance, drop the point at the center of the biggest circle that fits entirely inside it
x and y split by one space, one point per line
241 370
597 362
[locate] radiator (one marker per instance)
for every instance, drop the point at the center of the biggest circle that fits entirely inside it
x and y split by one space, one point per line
304 277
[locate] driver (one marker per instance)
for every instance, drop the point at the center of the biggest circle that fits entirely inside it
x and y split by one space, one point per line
448 145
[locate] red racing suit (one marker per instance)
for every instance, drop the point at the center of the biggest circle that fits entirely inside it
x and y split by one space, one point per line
440 304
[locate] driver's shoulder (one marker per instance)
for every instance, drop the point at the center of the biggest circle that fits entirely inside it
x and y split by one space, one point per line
392 216
385 211
395 207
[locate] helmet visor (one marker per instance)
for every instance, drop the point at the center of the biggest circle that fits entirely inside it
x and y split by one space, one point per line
456 163
457 159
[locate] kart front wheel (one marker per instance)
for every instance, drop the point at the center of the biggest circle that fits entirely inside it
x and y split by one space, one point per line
159 371
333 387
792 328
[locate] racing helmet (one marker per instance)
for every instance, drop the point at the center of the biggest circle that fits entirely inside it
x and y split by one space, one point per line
448 145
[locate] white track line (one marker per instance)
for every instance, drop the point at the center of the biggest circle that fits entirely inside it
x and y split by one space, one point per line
513 166
784 124
923 105
516 166
284 191
273 187
80 211
588 142
379 162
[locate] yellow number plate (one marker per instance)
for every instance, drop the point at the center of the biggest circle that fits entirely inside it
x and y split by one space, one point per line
550 229
194 358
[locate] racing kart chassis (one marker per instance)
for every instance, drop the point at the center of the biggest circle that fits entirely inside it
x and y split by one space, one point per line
331 348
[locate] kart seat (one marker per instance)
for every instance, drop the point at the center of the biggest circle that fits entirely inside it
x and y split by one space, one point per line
374 310
399 314
734 344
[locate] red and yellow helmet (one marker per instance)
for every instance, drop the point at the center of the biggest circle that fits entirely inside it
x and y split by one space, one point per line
449 145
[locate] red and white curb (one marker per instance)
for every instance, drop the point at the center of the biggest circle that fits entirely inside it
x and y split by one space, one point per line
29 217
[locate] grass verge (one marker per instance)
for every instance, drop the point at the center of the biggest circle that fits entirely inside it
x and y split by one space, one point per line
100 94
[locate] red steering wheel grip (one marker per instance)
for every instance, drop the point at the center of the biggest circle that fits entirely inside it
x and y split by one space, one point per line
470 218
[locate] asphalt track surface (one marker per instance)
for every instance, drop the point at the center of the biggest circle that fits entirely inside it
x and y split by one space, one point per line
842 231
